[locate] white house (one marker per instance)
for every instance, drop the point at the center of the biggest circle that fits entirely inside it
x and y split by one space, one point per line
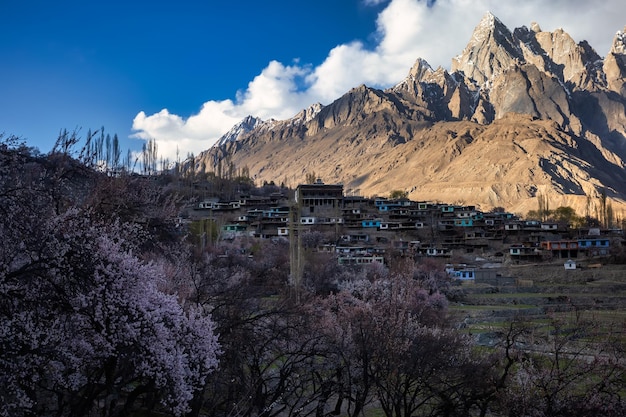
570 265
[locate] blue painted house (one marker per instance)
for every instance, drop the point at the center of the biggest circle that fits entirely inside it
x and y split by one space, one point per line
594 246
371 223
467 222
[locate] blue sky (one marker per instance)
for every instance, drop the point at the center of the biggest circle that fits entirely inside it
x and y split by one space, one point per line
184 72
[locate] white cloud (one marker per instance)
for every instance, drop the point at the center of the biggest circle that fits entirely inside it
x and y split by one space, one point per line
406 30
274 93
173 133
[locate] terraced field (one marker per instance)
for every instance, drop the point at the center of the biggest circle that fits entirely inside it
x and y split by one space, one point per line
540 295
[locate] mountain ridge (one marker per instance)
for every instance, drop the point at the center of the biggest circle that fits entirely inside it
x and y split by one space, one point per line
520 114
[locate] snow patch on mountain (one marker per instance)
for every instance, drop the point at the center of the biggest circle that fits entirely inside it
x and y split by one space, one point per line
238 130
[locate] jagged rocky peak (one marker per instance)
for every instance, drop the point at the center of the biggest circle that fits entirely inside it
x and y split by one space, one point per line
534 26
491 50
557 54
619 42
615 64
494 49
238 130
309 113
422 72
419 69
439 76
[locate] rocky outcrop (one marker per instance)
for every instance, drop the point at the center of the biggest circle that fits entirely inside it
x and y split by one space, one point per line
577 66
308 114
615 64
527 90
491 50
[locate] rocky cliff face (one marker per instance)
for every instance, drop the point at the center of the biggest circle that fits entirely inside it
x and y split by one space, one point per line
491 50
615 64
521 113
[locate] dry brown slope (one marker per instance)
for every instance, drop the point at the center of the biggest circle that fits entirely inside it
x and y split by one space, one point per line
507 163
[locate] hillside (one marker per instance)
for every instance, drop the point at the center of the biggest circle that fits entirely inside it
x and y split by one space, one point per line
521 114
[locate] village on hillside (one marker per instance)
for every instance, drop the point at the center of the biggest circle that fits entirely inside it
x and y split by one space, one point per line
360 230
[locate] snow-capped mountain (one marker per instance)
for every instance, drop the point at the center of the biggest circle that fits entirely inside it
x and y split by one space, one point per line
238 130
